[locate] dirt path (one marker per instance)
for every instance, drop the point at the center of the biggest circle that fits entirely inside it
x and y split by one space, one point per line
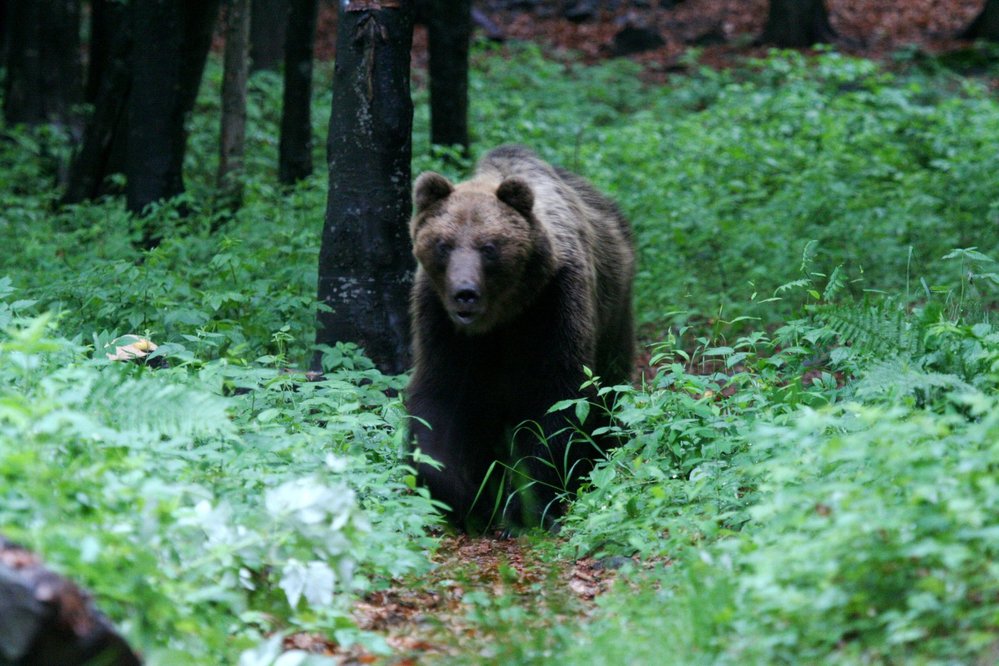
471 601
476 579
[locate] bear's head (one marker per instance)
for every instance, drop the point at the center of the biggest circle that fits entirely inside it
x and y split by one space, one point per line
481 247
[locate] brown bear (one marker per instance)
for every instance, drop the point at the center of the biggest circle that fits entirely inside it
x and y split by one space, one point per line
525 275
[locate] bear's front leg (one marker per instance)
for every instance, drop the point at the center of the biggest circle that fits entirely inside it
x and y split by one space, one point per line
462 437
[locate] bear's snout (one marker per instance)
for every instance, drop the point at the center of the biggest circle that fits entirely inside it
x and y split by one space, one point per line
465 303
466 295
464 290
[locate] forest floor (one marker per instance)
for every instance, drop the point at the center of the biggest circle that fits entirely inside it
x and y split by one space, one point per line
443 614
715 33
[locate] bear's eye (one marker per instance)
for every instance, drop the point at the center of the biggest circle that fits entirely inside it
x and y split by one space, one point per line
489 252
443 249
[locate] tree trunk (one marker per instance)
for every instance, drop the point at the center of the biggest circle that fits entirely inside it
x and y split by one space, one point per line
4 26
43 65
174 39
365 264
295 147
106 18
109 80
267 34
986 24
450 29
233 125
797 24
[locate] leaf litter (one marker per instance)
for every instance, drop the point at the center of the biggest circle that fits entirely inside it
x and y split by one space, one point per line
433 616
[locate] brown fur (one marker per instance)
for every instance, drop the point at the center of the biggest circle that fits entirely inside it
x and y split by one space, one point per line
524 277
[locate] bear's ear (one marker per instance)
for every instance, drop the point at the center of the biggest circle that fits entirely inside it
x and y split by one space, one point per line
516 193
430 188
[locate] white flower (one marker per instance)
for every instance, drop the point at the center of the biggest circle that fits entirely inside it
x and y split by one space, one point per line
314 580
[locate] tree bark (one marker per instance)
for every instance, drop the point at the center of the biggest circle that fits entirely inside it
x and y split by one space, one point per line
109 81
105 20
232 135
267 34
143 98
4 12
174 39
295 146
449 26
986 24
44 69
365 264
797 24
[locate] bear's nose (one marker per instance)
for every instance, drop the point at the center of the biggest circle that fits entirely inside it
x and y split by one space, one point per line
466 296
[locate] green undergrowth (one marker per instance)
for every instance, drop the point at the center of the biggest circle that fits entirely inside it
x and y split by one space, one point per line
207 504
826 492
809 472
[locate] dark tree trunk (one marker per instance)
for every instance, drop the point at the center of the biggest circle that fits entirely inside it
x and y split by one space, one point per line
106 18
365 265
295 148
44 70
797 24
143 97
267 31
4 25
233 128
172 40
109 80
986 24
449 25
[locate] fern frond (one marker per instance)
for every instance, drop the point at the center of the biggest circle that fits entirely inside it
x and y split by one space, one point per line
873 329
161 408
835 284
904 377
800 283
